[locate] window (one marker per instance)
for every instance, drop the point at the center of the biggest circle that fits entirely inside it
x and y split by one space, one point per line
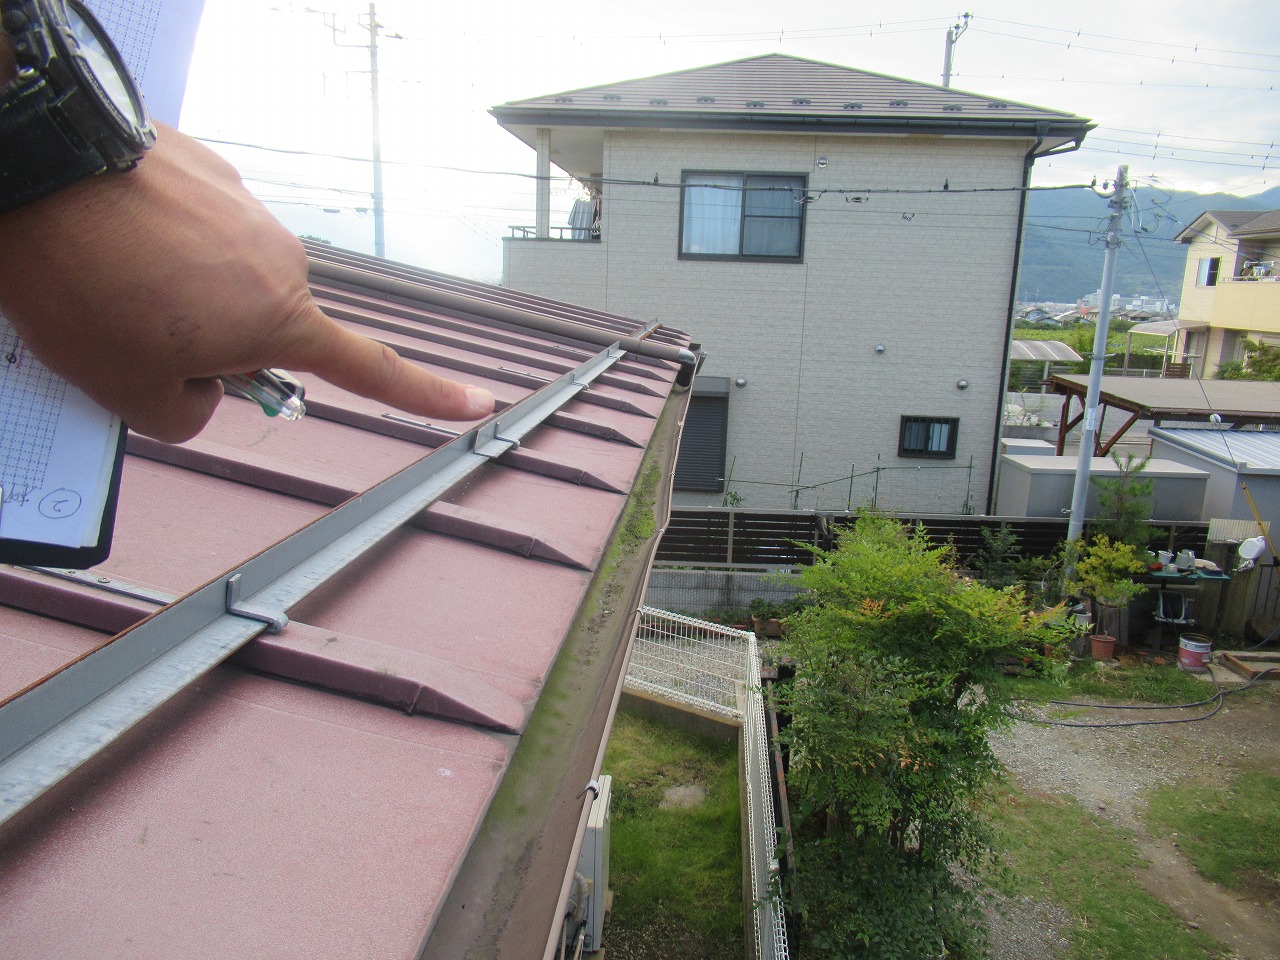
1207 272
742 216
700 462
928 437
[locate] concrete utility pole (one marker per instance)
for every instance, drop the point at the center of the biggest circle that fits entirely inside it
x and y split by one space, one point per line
952 36
1088 432
373 26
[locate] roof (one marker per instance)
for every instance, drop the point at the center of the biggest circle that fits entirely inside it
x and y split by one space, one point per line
1237 222
1043 350
432 581
1236 401
1245 450
781 93
1166 328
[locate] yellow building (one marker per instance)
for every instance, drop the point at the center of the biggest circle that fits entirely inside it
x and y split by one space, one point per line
1231 283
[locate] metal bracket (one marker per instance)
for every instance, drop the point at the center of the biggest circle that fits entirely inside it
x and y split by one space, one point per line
275 621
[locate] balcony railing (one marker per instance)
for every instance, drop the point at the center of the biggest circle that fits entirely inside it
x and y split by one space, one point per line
579 234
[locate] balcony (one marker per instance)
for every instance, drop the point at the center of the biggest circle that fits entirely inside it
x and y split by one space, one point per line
1247 303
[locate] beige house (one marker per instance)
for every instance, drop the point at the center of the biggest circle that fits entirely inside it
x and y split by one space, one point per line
1231 287
844 245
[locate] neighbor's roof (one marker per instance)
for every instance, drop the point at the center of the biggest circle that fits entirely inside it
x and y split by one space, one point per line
321 793
776 92
1250 450
1239 223
1043 350
1236 401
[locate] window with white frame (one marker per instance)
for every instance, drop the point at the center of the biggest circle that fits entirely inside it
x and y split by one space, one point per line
1207 271
742 216
933 437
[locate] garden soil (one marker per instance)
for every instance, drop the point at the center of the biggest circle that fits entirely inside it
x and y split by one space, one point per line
1111 772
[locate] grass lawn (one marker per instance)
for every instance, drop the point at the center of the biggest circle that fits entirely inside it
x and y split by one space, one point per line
1057 851
676 873
1228 831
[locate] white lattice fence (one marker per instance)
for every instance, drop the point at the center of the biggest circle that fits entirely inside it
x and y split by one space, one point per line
717 669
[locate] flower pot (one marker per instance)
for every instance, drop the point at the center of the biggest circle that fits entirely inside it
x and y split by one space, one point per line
1101 646
767 626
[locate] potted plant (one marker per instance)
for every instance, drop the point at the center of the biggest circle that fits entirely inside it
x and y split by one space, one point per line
1105 572
766 617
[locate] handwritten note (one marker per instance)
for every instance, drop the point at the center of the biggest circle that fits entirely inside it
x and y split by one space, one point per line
57 448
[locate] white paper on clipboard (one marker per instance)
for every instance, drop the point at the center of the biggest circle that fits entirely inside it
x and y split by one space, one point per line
57 447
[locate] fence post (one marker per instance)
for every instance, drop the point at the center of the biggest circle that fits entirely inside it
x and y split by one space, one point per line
729 552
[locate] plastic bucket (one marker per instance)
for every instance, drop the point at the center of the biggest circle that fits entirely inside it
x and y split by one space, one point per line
1193 652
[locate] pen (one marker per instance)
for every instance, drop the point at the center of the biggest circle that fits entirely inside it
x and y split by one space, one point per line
276 392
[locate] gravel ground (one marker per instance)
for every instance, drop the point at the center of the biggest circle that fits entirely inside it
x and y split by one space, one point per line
1110 771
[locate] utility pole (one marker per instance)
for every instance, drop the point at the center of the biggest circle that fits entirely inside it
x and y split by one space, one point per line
1088 432
374 27
953 35
379 234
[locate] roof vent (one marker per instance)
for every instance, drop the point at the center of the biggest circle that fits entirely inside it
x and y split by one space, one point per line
755 103
997 106
853 106
897 103
613 96
657 101
564 99
706 99
952 107
801 101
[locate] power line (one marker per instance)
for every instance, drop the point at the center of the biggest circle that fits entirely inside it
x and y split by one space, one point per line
1160 43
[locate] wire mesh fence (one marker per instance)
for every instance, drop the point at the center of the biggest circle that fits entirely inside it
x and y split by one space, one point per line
694 663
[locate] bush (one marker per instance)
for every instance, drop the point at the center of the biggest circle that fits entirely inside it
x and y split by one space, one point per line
893 697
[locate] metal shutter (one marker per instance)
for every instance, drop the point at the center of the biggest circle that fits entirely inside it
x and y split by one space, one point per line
700 463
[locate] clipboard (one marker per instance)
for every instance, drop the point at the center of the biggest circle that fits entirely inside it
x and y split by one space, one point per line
61 457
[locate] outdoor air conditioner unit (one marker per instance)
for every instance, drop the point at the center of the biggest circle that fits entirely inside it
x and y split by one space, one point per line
593 867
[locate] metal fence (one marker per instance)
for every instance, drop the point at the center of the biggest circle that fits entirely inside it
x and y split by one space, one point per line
713 668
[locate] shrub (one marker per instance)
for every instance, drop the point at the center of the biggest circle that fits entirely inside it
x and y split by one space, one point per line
893 697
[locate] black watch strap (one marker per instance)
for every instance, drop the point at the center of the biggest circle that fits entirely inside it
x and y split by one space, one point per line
38 155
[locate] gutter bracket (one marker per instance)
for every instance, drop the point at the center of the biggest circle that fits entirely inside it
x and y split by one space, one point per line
276 621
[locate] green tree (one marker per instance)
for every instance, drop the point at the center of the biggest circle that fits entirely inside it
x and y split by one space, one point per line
1261 362
1124 503
895 691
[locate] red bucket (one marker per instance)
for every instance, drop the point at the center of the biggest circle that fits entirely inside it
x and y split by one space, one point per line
1194 650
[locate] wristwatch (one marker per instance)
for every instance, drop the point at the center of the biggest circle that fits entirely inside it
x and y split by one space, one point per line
73 111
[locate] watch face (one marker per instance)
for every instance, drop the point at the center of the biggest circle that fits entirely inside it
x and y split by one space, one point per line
105 67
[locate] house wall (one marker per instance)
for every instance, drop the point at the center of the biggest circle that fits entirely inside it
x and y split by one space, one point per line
1237 307
925 274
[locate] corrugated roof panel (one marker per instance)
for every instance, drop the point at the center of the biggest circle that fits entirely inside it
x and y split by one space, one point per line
1249 449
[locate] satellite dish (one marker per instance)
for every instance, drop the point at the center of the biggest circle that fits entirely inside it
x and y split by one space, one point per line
1252 548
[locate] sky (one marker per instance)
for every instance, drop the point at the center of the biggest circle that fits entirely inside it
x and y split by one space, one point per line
1188 100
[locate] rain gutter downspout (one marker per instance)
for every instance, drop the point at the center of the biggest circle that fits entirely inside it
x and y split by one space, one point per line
1042 130
452 300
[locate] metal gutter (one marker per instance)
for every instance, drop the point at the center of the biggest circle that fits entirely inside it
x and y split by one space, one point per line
49 730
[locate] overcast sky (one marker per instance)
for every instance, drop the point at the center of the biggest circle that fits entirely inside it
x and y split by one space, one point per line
1187 98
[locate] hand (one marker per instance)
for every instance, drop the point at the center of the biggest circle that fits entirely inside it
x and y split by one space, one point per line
142 287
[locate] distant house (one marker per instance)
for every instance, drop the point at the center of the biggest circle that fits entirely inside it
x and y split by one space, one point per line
848 244
1231 287
1038 316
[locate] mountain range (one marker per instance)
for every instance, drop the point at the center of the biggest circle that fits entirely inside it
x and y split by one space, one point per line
1062 244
